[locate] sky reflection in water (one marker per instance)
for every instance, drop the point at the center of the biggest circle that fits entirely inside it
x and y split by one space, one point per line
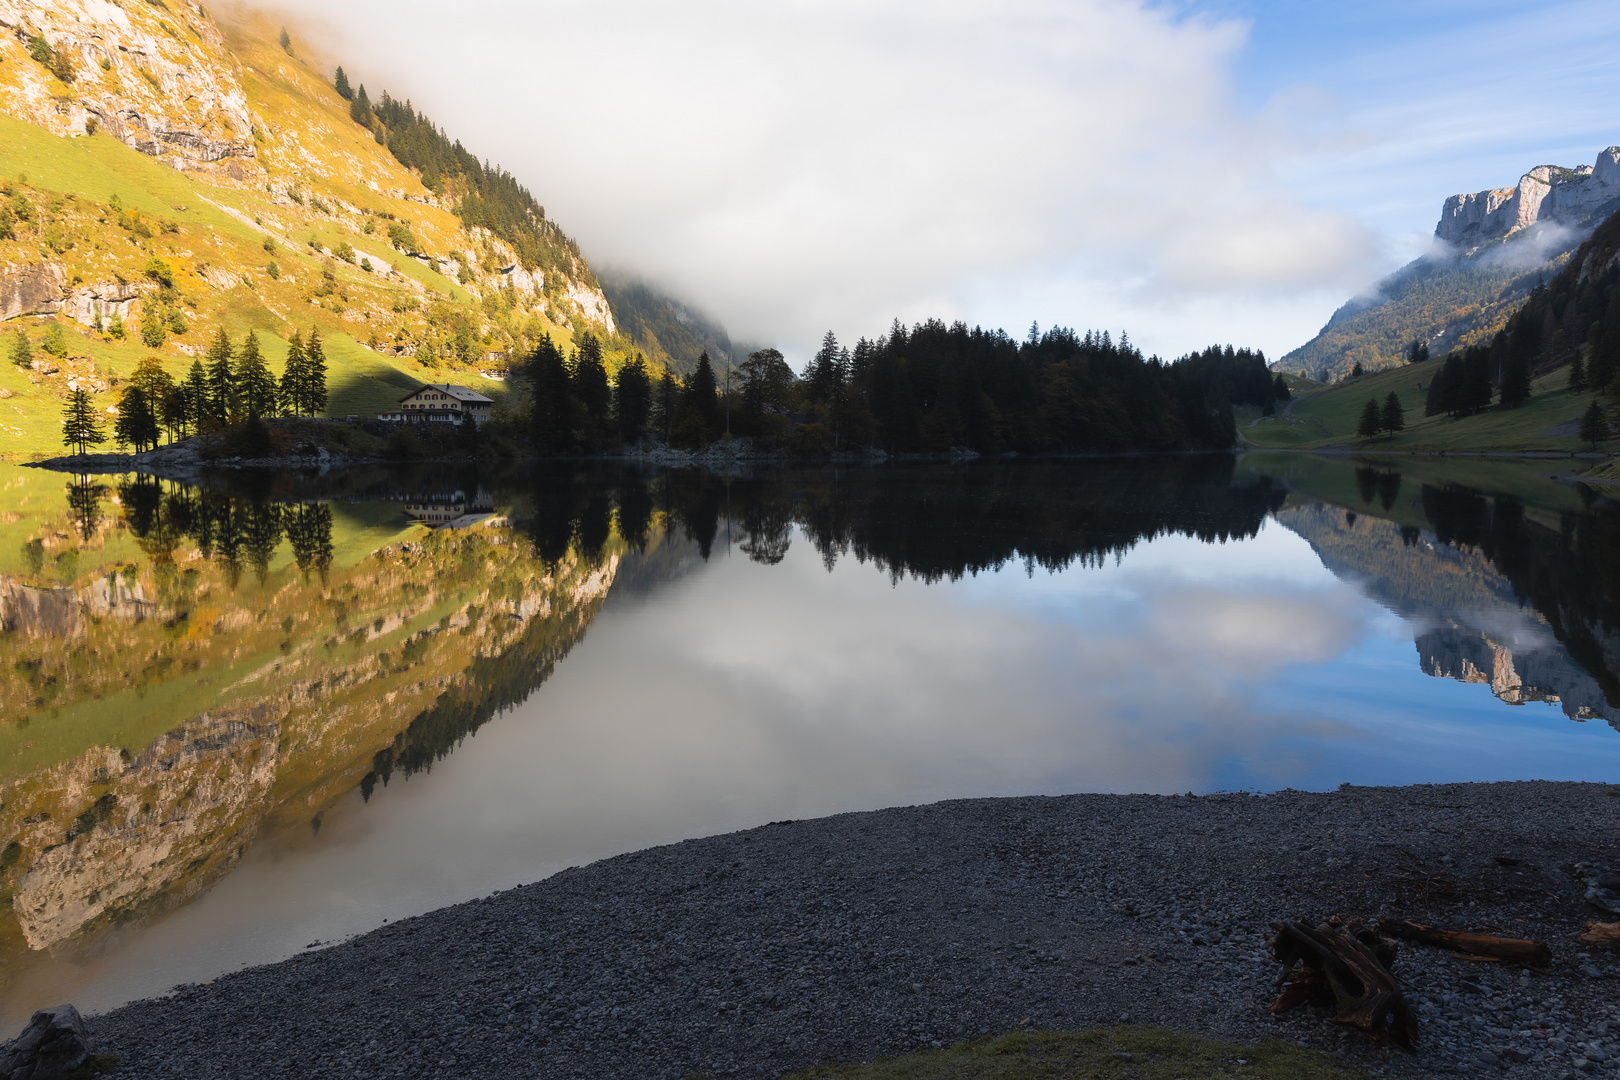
740 693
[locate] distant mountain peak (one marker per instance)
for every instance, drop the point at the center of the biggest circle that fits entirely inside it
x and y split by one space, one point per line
1545 193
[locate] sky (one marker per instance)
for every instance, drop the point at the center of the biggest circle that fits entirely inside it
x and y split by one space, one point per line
1186 172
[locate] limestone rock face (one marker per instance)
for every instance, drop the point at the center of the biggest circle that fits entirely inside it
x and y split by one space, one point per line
1545 193
31 290
102 300
157 79
185 806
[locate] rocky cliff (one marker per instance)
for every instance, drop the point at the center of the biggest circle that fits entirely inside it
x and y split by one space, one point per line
158 79
1546 193
1491 250
167 170
1469 623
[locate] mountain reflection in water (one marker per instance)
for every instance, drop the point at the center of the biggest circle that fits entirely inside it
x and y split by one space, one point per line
190 674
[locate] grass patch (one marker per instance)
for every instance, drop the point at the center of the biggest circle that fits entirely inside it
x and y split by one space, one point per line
1148 1054
1328 418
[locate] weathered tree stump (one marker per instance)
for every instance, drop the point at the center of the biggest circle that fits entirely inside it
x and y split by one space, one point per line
1600 933
1344 965
1534 954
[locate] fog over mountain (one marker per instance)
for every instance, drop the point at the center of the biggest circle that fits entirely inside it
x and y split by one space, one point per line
798 167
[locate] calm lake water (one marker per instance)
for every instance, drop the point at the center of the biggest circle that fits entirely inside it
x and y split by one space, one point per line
240 719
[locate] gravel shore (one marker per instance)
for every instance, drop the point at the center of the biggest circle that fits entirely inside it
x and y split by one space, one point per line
845 938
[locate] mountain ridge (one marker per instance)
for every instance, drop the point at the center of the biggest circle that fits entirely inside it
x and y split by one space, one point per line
1492 248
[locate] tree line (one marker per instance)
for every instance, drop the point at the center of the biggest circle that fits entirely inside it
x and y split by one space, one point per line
231 385
487 196
930 387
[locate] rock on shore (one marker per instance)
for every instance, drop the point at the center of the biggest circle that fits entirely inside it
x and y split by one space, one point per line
758 952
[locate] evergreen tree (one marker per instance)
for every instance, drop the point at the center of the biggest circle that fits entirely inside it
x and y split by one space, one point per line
1444 387
54 341
159 388
314 384
1418 353
822 376
548 411
198 401
589 380
154 325
22 354
81 426
666 403
1371 422
1394 417
1355 372
702 404
1515 382
1594 425
256 387
1279 389
1476 396
222 403
632 398
137 424
340 82
360 108
1577 373
293 377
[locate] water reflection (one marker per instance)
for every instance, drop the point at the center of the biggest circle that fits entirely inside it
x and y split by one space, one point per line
214 692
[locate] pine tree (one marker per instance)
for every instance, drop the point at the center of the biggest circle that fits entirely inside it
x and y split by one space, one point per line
360 108
81 426
1515 383
632 398
702 398
154 325
222 403
666 402
1594 425
1418 353
548 407
194 390
340 82
589 380
1371 420
1394 417
137 424
1577 373
22 354
256 387
314 388
1279 389
823 373
1355 372
293 377
159 387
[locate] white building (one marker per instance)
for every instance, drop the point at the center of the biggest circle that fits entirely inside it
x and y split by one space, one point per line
440 404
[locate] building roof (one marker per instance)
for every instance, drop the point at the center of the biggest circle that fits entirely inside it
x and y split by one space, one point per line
460 393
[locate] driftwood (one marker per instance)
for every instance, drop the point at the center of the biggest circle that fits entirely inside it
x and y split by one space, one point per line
1344 964
1484 946
1600 933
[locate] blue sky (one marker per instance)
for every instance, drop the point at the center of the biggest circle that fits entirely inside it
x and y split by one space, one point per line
1186 171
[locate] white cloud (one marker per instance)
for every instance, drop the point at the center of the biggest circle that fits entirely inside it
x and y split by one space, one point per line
795 167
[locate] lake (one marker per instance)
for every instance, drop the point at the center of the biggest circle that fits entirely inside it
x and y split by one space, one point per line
247 716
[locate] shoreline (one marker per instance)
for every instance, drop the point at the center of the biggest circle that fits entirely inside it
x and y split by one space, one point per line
839 939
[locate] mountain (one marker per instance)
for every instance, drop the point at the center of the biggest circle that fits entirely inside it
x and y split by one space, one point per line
1491 250
1468 620
167 170
668 331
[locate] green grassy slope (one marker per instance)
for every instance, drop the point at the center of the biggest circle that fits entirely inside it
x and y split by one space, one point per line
1329 417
